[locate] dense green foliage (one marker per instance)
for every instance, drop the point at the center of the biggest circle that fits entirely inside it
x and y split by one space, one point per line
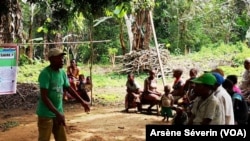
181 26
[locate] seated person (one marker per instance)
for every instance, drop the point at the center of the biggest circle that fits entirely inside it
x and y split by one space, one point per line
188 88
150 92
88 84
81 88
178 84
73 73
240 106
132 98
234 79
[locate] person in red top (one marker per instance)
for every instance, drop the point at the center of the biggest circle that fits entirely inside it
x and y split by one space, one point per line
73 73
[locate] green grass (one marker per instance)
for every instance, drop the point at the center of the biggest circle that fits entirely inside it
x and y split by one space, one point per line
104 77
29 73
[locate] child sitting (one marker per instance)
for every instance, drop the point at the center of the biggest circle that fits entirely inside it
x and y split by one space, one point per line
167 102
81 82
81 88
88 84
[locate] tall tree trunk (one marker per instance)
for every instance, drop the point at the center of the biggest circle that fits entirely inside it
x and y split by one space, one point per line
148 32
30 48
128 20
10 21
122 39
142 30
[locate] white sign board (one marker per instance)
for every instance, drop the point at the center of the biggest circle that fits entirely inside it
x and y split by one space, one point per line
8 68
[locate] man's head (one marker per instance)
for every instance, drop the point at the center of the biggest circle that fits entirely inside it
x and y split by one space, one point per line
56 58
228 85
247 64
204 84
177 73
131 77
152 73
73 63
233 78
193 72
219 78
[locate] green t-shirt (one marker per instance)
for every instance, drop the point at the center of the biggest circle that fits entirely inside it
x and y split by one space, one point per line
54 81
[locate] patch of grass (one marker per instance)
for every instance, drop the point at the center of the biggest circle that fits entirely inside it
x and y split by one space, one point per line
228 70
29 73
111 97
7 125
108 80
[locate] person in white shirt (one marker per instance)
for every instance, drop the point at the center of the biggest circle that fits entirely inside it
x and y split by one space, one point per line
132 98
225 99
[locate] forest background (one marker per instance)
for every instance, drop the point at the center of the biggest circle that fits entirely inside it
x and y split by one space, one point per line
100 34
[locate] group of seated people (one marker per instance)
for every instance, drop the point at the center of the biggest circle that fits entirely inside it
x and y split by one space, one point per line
150 94
78 82
233 99
135 95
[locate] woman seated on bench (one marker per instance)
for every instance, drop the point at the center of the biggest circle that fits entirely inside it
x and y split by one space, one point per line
132 99
150 94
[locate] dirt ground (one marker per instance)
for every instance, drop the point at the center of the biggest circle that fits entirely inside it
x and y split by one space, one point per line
104 122
101 124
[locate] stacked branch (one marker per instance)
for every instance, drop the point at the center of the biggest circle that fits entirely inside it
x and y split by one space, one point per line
25 98
139 61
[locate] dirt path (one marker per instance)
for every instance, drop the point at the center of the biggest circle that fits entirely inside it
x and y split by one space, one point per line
101 124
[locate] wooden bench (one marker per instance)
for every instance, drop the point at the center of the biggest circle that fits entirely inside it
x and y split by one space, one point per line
155 109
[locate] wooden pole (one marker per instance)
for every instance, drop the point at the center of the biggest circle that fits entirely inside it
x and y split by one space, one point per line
91 64
157 49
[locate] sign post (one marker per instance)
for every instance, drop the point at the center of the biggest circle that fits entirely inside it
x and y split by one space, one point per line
8 68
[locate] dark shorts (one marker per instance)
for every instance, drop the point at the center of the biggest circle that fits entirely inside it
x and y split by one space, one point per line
166 111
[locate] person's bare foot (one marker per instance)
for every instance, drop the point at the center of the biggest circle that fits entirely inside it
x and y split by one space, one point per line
126 110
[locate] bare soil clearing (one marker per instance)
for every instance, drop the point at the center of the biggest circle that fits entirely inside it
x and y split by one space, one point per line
101 124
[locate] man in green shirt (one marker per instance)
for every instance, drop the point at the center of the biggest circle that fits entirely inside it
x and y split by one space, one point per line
52 81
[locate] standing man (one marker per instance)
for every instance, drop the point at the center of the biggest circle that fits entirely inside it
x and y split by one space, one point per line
206 109
52 81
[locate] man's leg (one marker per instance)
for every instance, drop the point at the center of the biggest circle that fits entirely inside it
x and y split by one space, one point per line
59 131
44 128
